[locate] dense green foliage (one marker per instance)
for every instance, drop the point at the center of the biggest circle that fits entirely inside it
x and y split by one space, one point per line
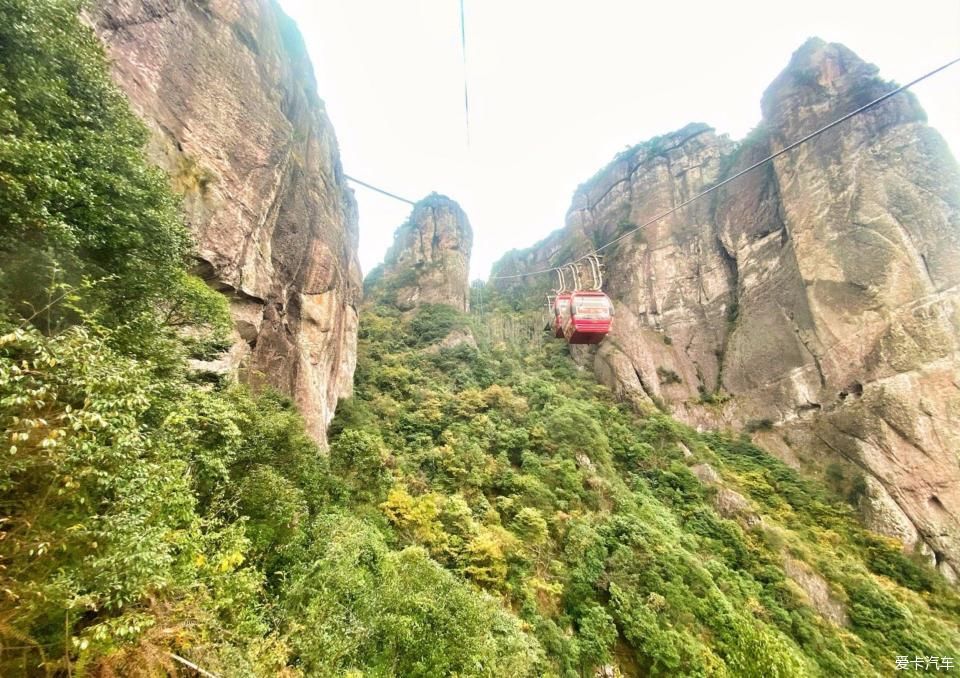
519 474
479 511
74 190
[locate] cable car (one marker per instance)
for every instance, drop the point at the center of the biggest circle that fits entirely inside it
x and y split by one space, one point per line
561 309
589 319
583 316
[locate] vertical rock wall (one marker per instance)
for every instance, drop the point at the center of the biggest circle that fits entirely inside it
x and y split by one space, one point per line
228 91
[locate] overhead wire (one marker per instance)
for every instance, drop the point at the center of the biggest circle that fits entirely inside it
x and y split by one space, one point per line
466 110
739 174
379 190
463 47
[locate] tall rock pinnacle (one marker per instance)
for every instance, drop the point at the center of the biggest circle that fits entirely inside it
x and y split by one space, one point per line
429 262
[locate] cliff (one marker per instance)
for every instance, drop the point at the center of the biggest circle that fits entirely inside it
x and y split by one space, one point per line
813 302
429 261
227 89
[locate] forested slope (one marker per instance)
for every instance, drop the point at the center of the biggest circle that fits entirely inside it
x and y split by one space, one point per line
620 540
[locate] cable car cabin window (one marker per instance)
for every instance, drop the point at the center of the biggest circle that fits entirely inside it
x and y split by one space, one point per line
596 307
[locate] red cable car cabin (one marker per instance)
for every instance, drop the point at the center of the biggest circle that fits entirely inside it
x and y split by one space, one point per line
561 310
589 318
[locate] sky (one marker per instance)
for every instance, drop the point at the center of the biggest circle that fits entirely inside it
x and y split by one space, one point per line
558 87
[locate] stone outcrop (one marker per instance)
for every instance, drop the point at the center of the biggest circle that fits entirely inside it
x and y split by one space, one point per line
429 262
228 91
728 502
816 590
813 302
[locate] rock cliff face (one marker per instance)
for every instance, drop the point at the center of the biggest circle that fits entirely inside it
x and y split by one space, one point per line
814 301
429 262
227 88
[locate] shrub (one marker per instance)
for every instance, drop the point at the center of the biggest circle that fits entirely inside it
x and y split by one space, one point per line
754 425
359 606
596 637
530 526
359 459
668 376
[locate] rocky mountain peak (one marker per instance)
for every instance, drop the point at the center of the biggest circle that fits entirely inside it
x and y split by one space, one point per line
812 302
824 80
429 262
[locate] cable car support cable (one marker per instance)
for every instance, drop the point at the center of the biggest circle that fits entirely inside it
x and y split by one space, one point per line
379 190
463 46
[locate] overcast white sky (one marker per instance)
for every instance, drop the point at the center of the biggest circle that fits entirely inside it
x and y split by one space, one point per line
557 87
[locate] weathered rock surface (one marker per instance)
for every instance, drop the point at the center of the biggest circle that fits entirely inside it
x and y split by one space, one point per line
814 301
728 502
817 591
429 262
228 91
456 338
705 473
